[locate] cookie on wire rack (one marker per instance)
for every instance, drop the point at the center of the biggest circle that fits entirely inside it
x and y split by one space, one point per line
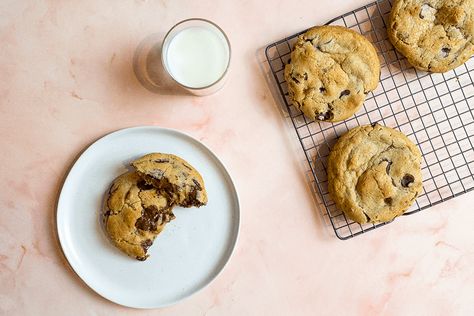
374 173
331 70
434 35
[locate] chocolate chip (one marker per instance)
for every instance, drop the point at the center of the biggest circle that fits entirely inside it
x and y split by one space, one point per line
445 52
295 80
322 89
407 179
305 76
289 61
328 115
187 166
163 160
142 185
345 92
198 186
388 201
147 244
374 124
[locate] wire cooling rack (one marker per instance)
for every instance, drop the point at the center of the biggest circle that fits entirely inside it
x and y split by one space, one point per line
431 109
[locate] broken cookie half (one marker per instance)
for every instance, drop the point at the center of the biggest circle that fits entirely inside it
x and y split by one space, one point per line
180 181
139 206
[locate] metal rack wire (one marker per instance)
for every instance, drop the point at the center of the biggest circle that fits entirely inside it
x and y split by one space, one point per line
433 110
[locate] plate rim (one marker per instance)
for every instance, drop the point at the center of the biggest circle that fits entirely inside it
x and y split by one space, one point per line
88 148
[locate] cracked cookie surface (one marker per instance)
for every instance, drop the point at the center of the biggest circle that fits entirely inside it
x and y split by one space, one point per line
434 35
374 173
180 182
331 70
135 214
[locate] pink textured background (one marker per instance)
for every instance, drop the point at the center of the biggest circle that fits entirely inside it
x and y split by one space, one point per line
67 79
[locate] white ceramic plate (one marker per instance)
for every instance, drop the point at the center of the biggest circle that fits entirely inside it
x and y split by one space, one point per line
184 258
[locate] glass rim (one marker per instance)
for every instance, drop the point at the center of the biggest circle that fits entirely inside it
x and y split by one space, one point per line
167 38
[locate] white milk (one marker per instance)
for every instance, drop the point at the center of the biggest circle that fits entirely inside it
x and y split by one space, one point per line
197 56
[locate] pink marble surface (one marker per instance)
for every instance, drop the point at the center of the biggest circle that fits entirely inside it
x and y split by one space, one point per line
67 79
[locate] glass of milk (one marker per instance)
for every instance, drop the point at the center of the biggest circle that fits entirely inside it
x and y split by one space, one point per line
196 54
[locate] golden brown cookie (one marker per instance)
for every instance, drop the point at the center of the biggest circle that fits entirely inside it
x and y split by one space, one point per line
374 173
331 70
135 214
434 35
181 182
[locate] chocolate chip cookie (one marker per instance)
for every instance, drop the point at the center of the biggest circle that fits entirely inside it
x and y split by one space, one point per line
434 35
331 70
135 213
181 183
374 173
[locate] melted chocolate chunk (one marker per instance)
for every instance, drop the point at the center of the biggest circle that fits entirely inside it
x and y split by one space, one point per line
295 80
191 198
322 89
406 180
147 244
345 92
142 185
148 220
388 201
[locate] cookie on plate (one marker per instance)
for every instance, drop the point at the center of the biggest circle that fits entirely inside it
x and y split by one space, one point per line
374 173
181 182
331 70
434 35
135 213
